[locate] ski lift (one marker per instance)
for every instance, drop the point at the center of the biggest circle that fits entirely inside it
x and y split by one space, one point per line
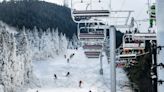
92 41
130 43
78 15
92 54
145 36
131 47
134 44
91 30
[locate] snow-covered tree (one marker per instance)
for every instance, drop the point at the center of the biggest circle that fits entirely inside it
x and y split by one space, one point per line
24 56
56 41
74 42
36 37
3 59
63 43
18 50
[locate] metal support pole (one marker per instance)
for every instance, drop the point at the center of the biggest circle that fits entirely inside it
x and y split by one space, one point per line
101 65
154 59
78 30
113 57
148 3
110 4
160 39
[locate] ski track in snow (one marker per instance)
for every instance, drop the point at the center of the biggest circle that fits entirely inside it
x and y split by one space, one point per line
80 68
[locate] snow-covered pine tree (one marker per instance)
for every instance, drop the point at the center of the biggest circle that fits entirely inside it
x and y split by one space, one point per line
6 61
50 45
42 55
24 54
36 37
3 60
75 41
12 63
36 42
63 43
56 41
53 43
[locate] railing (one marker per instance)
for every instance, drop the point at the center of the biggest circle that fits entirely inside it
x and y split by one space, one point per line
92 46
90 13
134 45
86 35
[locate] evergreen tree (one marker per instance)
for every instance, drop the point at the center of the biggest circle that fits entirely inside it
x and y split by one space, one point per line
62 43
56 41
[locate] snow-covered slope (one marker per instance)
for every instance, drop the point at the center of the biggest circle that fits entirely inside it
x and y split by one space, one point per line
80 68
7 27
1 88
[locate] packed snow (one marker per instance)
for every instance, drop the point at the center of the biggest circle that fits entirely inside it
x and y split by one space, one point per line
80 68
1 88
45 52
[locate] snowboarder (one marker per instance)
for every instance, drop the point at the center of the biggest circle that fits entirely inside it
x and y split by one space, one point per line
90 91
67 74
64 56
80 83
37 91
55 76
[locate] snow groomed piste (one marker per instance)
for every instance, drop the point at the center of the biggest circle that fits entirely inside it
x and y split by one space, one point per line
80 68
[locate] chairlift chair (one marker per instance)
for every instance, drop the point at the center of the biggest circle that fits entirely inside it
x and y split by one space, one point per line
92 41
93 32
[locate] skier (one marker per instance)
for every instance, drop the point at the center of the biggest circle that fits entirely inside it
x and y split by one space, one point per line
80 83
90 91
67 74
37 91
72 55
55 76
65 56
68 60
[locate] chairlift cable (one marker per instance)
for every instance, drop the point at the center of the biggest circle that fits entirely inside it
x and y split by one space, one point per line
122 5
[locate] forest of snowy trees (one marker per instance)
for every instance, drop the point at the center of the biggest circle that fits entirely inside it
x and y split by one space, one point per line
18 49
45 44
